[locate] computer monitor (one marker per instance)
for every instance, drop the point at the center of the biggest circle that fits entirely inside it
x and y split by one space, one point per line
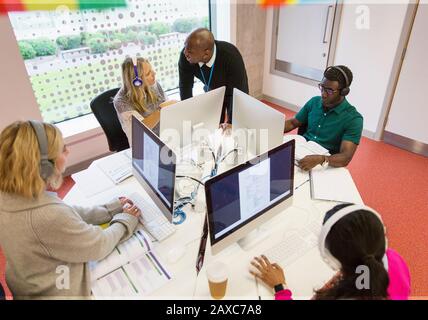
154 166
264 125
248 195
179 121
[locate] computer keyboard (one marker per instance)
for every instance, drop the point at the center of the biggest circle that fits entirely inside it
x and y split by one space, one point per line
152 218
294 245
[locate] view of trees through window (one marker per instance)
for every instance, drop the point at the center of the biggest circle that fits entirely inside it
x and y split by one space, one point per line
72 56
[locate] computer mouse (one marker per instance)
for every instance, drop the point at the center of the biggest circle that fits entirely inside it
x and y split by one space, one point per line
176 253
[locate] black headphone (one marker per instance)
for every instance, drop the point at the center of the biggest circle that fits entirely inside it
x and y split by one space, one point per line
137 81
47 167
344 91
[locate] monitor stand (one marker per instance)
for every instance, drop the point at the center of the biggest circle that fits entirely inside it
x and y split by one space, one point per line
253 238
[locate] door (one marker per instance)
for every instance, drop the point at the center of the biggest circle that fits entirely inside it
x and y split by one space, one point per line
305 35
407 124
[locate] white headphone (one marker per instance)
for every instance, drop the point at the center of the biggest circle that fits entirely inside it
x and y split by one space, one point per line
325 253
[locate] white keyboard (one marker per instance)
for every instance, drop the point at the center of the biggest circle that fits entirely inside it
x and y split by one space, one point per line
152 218
294 245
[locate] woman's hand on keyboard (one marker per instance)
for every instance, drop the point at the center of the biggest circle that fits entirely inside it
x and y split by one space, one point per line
270 273
132 210
125 200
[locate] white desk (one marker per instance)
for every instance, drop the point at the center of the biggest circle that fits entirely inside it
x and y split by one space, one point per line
307 273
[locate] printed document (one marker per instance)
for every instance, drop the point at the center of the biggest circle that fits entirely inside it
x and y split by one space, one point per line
132 270
92 181
254 189
334 184
305 148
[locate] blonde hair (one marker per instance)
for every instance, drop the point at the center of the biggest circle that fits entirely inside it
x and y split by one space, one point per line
20 159
137 96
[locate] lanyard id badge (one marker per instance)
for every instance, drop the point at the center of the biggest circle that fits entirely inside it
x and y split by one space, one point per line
207 85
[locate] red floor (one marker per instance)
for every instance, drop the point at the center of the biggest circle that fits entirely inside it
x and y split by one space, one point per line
395 183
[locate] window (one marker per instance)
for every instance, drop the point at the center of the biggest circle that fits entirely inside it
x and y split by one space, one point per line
72 56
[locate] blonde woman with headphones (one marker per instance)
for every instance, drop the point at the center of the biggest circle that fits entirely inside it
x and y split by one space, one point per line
351 236
140 95
48 243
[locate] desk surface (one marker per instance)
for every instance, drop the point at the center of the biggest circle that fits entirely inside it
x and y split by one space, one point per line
305 274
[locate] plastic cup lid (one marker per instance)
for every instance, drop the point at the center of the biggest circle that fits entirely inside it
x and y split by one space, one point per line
217 272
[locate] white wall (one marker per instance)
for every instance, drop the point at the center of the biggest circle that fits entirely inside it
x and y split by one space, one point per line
369 54
17 97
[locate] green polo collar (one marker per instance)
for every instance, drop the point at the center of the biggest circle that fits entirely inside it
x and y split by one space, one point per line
339 108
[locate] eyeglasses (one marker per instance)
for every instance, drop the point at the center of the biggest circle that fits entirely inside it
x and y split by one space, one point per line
326 90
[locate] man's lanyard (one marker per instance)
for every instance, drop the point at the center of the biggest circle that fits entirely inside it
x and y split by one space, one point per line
207 85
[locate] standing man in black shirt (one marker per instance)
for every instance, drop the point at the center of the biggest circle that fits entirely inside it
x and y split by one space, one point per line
216 64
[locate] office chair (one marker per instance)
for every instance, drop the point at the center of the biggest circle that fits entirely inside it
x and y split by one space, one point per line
104 111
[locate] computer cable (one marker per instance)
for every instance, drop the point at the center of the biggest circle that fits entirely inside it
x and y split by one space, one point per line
199 166
178 213
191 178
227 154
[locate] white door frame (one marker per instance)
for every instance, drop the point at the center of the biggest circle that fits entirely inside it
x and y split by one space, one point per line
409 19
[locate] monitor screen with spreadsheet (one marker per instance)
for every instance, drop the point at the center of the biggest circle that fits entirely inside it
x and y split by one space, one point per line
154 165
243 198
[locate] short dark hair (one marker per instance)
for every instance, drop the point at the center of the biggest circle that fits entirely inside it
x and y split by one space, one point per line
334 74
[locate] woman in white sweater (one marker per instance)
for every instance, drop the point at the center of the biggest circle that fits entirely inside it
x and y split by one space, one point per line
140 95
44 239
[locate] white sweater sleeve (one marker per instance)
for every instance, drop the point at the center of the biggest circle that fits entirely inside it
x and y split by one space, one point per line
64 235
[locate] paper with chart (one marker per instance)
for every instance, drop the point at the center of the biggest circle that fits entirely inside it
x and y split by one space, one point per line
138 278
254 188
125 252
151 161
132 269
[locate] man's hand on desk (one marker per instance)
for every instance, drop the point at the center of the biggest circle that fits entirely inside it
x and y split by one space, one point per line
309 162
270 273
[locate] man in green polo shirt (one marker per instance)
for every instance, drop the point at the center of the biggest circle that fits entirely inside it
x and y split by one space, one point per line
331 121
